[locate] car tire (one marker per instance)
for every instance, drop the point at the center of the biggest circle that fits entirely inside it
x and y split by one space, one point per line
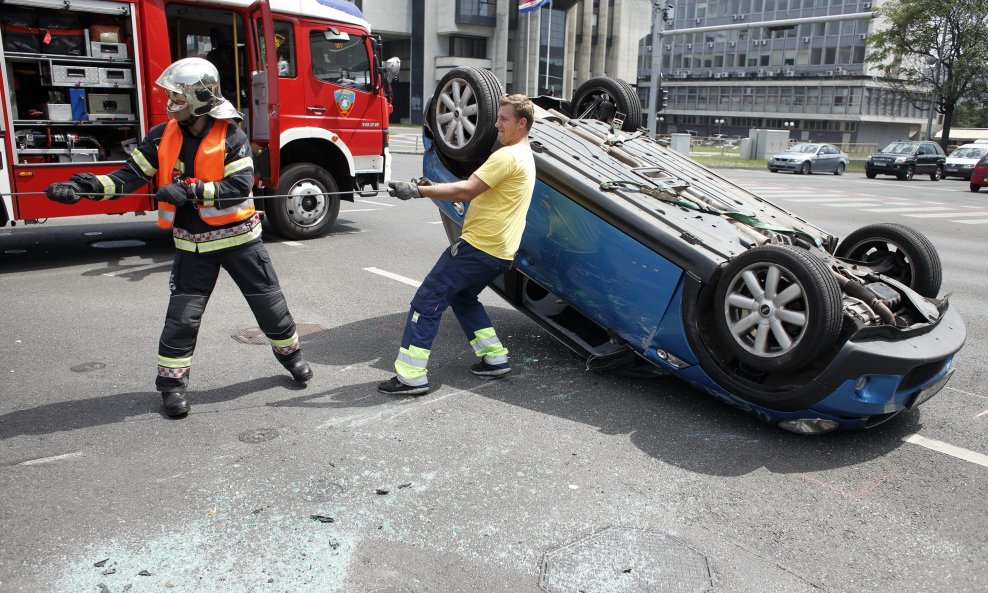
806 168
870 174
975 187
840 169
937 173
901 252
907 175
612 90
764 334
462 114
306 214
773 170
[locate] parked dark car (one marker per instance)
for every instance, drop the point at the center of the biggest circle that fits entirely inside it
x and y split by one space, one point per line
636 256
979 176
906 158
810 158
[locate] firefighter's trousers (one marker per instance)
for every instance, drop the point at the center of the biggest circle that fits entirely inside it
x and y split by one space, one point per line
192 280
458 277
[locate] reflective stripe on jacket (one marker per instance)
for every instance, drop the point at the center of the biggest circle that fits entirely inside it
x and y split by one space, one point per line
209 167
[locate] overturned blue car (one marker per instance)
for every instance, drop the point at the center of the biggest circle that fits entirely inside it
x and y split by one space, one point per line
635 254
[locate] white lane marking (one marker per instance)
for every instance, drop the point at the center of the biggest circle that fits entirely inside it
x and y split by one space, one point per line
394 276
292 243
378 203
948 449
360 210
138 269
978 221
435 222
982 414
910 209
819 198
947 214
833 204
51 459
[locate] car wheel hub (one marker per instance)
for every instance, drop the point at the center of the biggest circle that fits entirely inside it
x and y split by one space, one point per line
765 308
457 112
306 206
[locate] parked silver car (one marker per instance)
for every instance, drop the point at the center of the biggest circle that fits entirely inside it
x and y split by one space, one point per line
810 158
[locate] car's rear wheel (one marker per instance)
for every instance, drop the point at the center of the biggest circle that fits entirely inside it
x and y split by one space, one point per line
777 307
870 174
897 251
840 169
599 98
462 113
805 168
937 174
975 187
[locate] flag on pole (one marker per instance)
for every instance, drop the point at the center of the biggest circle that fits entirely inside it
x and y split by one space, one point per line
530 5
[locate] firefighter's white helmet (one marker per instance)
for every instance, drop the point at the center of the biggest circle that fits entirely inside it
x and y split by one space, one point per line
194 83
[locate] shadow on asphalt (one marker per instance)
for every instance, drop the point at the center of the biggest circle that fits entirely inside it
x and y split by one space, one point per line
665 418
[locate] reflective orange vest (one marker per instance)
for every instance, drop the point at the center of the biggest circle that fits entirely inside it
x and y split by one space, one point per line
209 167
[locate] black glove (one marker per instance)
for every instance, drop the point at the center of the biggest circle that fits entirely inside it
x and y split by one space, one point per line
64 192
175 194
89 185
403 190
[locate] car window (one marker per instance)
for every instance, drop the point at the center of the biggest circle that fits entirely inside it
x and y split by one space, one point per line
340 62
923 150
969 153
805 148
899 148
937 149
829 150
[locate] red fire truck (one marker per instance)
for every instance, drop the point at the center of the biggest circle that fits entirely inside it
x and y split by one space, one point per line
78 94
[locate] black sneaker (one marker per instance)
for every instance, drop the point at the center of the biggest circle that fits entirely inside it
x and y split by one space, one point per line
483 369
301 371
175 404
394 386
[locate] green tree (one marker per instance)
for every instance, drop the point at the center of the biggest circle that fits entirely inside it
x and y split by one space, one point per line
933 46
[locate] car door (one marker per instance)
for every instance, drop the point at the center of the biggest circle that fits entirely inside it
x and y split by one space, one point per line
827 158
923 156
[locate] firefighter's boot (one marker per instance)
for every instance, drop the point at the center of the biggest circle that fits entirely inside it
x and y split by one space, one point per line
175 404
300 370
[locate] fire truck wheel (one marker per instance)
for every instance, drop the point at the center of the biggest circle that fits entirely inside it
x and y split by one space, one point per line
307 213
462 113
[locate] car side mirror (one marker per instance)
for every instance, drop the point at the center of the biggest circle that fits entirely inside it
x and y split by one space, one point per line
391 68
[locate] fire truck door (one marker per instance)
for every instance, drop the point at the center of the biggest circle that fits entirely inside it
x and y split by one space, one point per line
340 93
265 103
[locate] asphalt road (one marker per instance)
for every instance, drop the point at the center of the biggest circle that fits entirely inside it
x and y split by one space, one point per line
553 479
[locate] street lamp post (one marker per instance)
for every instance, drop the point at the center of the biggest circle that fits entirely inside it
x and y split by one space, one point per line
720 139
789 126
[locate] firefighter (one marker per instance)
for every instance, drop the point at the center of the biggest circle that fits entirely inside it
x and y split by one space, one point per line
499 193
201 162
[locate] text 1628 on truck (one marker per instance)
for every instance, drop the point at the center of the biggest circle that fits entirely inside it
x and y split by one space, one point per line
78 95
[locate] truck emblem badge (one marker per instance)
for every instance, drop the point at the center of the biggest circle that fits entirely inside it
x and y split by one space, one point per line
345 100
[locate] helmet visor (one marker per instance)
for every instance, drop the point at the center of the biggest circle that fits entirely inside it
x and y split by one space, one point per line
176 101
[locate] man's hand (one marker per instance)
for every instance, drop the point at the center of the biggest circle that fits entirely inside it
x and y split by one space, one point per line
89 185
64 192
403 190
423 181
175 194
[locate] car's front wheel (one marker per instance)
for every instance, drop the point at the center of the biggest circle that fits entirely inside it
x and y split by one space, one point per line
907 174
870 174
840 169
462 113
897 251
975 187
937 173
773 170
805 168
777 307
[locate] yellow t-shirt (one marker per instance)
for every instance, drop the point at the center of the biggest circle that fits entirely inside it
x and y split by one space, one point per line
495 219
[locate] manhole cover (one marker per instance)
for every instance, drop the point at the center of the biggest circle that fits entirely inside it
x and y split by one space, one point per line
118 244
88 366
253 335
258 435
625 560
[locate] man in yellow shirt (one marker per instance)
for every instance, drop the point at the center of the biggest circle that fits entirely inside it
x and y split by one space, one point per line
499 193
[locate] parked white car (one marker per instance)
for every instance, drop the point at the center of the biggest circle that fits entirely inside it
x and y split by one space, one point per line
960 163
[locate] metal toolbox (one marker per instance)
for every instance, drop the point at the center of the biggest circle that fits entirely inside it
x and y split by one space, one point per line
62 155
107 51
58 112
104 106
65 75
118 77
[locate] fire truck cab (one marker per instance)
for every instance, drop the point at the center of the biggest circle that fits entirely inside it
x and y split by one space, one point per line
78 94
